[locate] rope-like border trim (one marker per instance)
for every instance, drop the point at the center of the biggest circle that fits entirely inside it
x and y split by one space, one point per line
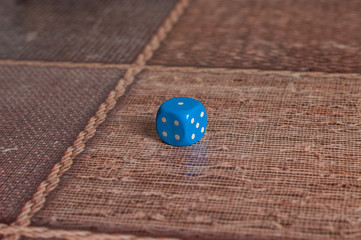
251 71
39 198
10 62
41 232
178 68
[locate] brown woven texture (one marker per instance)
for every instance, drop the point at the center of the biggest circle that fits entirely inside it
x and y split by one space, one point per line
19 227
42 109
109 31
301 35
280 160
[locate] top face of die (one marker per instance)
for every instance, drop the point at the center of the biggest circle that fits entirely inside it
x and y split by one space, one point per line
177 104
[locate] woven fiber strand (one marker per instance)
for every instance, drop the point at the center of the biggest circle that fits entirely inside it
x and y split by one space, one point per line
301 35
42 109
280 160
107 31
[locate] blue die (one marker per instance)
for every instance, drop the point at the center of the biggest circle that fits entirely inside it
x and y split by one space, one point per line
181 121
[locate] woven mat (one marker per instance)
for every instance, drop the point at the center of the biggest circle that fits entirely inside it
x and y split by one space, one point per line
80 157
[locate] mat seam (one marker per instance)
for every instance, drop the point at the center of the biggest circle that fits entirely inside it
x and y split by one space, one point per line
11 62
39 198
249 71
192 69
43 232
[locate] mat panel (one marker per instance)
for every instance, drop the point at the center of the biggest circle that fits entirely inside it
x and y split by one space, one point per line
107 31
42 110
301 35
280 160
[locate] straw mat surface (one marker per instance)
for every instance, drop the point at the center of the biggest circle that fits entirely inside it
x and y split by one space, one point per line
80 85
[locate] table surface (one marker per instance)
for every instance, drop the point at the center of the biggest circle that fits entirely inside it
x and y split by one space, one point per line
80 85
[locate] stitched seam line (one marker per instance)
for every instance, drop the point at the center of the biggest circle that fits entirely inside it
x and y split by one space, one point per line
95 65
39 198
42 232
254 71
192 69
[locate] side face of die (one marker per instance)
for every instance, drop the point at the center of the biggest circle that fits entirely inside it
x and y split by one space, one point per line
181 121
